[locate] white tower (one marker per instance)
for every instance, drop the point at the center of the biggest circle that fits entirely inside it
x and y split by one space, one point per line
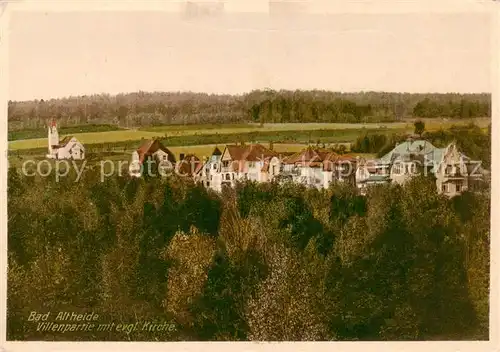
53 137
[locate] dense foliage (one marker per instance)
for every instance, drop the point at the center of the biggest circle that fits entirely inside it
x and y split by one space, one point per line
260 262
150 109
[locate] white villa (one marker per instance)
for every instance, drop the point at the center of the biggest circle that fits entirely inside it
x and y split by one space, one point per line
209 174
315 167
312 167
252 162
67 148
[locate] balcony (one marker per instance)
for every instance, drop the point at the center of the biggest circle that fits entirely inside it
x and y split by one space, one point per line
454 174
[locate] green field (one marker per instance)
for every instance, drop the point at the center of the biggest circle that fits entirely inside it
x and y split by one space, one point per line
181 135
88 138
32 133
431 124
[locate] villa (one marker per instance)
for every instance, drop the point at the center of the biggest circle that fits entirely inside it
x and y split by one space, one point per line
316 167
454 171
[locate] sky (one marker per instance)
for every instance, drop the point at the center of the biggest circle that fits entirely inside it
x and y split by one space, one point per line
58 54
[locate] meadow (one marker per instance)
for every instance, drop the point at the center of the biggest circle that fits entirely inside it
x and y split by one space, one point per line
184 135
33 133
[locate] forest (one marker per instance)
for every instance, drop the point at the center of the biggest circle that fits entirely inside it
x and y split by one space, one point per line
257 262
259 106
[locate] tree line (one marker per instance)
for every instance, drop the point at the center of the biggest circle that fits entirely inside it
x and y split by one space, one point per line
260 106
258 262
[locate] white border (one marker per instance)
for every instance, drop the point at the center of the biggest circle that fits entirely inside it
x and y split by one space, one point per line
313 6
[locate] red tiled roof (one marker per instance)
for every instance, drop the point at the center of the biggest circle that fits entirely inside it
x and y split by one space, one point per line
309 157
258 152
252 152
235 151
336 159
150 147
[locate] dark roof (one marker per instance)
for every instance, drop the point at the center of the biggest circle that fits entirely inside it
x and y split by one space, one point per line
190 165
65 141
216 151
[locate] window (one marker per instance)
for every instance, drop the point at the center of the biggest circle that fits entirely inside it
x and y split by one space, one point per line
228 177
165 157
214 166
443 188
397 169
251 164
225 163
208 184
458 188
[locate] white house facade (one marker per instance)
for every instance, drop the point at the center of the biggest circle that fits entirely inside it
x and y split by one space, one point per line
315 167
251 162
67 148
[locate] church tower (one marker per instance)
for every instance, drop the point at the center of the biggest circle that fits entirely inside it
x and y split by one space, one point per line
53 137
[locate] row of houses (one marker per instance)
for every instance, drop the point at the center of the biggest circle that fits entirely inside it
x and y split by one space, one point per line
454 172
314 167
319 167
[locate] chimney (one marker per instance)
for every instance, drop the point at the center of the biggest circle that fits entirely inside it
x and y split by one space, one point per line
271 145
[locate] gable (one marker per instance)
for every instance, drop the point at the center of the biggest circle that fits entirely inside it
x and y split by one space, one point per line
226 156
451 154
